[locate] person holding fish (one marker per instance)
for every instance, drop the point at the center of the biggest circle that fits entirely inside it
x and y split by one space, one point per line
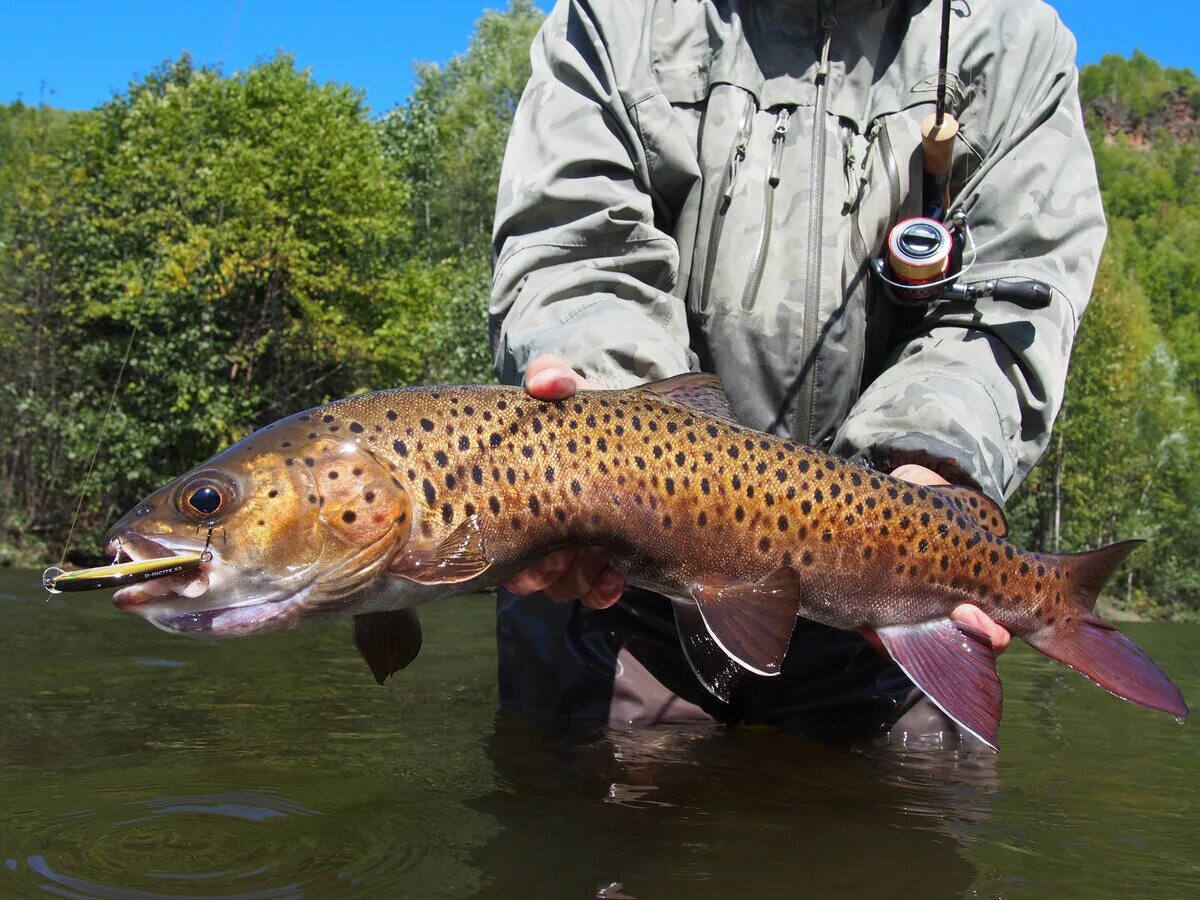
699 186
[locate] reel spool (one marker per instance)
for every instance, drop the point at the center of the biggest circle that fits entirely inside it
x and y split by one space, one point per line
919 254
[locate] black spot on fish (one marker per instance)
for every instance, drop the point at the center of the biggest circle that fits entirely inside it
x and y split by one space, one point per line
712 430
356 428
732 451
326 418
430 493
427 425
477 474
976 569
348 517
803 466
576 488
441 458
805 507
527 452
494 505
369 496
704 486
534 506
702 518
464 442
807 558
309 461
924 518
601 444
764 545
450 481
511 475
783 523
333 475
739 514
666 521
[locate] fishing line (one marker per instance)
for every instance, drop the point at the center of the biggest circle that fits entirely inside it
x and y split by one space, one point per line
230 31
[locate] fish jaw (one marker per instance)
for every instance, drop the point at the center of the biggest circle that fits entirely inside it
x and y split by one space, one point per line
201 602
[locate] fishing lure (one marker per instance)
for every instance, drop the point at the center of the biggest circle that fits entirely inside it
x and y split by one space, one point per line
56 580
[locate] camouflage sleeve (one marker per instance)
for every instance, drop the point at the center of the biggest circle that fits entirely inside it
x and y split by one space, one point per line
973 392
582 270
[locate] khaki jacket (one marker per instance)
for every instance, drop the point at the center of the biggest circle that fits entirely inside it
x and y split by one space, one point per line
699 185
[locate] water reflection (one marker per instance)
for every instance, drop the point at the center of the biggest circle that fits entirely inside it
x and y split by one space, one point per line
275 767
649 812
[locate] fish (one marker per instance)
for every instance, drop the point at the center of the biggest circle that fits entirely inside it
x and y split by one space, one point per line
373 505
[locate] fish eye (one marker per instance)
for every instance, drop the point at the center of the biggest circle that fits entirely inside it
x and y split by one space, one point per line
204 500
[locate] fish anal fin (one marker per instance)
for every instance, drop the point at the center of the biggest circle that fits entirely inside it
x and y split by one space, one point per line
955 666
387 641
699 390
752 621
711 665
985 511
460 557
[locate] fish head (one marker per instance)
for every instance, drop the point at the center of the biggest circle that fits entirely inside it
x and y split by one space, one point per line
295 524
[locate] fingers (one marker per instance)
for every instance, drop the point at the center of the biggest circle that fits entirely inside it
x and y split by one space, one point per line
579 577
574 574
548 377
974 617
918 474
606 591
541 575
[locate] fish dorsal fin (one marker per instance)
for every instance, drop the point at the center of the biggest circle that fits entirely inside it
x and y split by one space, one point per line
752 621
698 390
387 641
985 511
955 666
711 665
460 557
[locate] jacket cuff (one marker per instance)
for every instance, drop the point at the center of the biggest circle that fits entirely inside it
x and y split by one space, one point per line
947 423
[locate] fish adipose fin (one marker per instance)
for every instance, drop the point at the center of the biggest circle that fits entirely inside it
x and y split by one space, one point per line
387 641
752 621
955 666
978 506
460 557
698 390
712 666
1094 648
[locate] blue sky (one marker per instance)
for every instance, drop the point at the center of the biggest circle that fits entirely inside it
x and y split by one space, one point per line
75 54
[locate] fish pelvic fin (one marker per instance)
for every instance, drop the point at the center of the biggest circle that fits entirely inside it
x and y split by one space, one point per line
752 621
1095 648
387 641
955 666
699 390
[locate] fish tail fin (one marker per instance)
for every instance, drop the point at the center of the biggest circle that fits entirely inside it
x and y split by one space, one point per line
1095 648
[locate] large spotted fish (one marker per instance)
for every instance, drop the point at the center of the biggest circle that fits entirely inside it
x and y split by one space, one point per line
374 504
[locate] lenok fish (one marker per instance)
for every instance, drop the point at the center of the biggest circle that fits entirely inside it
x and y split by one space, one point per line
372 505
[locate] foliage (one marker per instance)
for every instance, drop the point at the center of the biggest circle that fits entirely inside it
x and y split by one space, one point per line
258 243
1122 459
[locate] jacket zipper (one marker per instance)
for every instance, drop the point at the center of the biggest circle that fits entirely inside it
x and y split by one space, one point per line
778 140
812 290
890 169
737 154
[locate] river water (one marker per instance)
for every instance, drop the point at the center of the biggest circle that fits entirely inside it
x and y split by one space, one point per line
134 764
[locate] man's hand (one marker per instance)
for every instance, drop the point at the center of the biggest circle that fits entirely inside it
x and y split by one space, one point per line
577 573
966 613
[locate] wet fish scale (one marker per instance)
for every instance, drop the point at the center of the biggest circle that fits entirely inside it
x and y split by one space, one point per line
682 496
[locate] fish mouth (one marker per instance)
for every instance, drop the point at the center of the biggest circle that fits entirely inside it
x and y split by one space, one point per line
183 603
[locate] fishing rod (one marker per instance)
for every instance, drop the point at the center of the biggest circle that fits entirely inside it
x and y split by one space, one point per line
921 263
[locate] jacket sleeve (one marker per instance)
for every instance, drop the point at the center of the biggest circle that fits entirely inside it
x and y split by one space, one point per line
582 270
972 392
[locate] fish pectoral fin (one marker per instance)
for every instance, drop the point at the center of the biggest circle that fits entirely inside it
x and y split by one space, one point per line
978 506
459 557
711 665
387 641
752 621
955 666
698 390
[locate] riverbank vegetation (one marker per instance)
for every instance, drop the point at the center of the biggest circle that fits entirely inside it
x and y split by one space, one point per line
225 249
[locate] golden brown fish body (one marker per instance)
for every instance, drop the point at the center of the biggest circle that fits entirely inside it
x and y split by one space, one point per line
373 504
